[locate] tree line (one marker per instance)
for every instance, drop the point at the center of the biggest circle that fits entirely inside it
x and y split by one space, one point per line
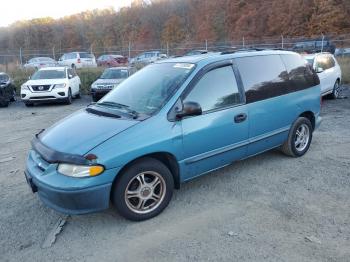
175 23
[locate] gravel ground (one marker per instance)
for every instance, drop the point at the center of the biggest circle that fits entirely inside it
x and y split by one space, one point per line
269 207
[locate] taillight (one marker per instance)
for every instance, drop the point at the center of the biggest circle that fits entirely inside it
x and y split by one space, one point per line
78 60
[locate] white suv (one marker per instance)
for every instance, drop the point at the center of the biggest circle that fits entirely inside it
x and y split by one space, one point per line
78 60
328 70
51 84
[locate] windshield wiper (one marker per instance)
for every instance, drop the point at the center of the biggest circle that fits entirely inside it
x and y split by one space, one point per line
131 112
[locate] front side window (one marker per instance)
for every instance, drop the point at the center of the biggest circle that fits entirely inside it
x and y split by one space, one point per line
148 90
216 89
49 74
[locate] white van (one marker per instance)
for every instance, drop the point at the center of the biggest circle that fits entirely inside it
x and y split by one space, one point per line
78 60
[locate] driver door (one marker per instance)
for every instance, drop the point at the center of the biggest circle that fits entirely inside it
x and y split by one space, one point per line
219 135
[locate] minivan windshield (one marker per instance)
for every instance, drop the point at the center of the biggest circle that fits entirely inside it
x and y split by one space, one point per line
148 90
49 74
114 74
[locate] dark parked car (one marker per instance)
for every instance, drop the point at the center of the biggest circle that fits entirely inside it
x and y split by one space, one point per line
7 90
109 80
112 60
314 46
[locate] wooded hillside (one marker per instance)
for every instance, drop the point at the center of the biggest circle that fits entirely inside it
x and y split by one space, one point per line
180 21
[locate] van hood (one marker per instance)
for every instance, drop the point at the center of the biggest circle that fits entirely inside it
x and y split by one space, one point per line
82 131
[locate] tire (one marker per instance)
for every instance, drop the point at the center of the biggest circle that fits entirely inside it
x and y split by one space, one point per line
4 103
78 96
28 104
69 97
146 201
95 99
13 98
336 87
290 146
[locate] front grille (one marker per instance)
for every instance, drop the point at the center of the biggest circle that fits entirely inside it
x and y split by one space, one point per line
104 86
42 97
40 88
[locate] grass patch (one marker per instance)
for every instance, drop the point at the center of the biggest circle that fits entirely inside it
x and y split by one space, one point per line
344 63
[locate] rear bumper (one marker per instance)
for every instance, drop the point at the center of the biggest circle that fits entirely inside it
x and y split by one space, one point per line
75 202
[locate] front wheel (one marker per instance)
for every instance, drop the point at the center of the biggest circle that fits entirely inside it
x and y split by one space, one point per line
143 190
69 97
299 138
336 89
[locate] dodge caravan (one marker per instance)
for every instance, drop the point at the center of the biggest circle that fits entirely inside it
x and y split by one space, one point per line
172 121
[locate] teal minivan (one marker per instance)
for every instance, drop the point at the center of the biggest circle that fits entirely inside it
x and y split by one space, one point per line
170 122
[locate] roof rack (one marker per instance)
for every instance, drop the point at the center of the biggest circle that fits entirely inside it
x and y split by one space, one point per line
242 50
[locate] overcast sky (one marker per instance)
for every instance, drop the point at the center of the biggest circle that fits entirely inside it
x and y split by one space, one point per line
13 10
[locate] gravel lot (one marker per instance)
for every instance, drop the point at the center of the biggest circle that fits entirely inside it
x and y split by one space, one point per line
269 207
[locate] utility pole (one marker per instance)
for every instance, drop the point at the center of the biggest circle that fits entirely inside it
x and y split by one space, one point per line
243 42
129 50
167 49
282 41
206 45
53 52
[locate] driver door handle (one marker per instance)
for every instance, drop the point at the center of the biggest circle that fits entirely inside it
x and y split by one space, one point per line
240 117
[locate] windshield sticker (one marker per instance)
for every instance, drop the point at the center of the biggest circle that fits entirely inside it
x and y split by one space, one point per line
184 65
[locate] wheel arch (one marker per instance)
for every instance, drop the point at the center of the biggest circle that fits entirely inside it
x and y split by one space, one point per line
168 159
311 116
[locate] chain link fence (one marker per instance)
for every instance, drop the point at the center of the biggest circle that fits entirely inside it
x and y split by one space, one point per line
15 58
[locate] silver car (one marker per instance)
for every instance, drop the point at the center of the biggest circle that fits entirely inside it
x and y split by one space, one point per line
40 62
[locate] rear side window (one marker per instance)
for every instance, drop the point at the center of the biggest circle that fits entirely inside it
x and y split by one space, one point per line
325 62
85 55
216 89
263 76
300 73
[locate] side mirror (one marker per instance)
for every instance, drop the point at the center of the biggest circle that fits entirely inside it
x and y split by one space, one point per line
319 70
70 76
189 109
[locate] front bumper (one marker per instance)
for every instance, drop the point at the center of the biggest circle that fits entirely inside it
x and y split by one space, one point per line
65 194
99 92
55 94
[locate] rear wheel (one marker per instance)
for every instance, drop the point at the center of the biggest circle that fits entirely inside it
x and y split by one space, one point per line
299 138
143 190
336 89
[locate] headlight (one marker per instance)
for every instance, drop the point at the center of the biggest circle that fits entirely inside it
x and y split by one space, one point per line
80 171
60 86
24 87
93 86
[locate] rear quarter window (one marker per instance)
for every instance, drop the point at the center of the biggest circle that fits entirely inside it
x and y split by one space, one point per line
263 77
301 74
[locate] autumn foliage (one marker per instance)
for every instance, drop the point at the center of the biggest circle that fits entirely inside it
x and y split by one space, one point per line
176 22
